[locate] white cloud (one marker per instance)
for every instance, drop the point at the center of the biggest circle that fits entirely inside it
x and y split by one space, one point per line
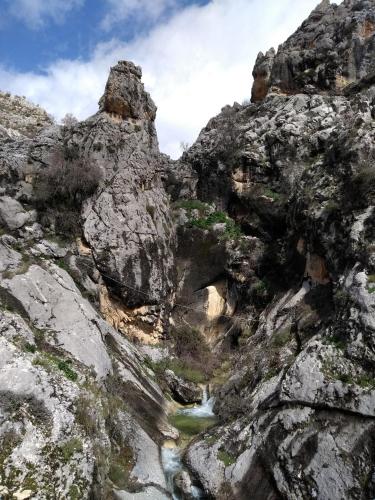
194 64
35 12
121 10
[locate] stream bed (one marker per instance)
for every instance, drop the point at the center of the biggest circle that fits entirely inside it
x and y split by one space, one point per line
190 422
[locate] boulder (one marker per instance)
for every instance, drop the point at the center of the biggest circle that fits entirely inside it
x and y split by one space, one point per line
184 392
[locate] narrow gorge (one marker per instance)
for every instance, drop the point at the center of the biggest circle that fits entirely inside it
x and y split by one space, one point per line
198 328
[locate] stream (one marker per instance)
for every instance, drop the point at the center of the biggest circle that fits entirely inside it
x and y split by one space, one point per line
190 422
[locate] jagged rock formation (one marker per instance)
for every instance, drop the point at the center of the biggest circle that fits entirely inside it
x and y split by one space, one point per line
20 117
296 171
261 237
127 223
80 415
331 50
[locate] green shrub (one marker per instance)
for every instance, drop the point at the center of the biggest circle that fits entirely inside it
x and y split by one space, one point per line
336 341
232 230
192 205
226 458
64 366
69 448
62 186
30 347
281 338
371 283
272 194
48 361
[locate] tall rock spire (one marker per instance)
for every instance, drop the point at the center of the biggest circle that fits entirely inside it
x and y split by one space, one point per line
125 95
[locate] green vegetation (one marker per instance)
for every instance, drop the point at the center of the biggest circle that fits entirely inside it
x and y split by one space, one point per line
371 283
281 338
48 361
192 205
180 368
232 231
74 492
272 194
210 220
364 381
121 466
63 265
342 298
336 341
362 187
211 440
191 425
22 269
30 347
272 372
85 415
64 366
226 458
331 207
62 186
70 448
207 220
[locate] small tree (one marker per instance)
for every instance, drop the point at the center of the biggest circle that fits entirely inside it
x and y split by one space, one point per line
69 120
184 146
69 180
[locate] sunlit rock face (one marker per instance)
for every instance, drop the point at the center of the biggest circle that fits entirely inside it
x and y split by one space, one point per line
331 50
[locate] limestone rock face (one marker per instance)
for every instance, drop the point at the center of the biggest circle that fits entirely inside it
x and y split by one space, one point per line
127 222
298 178
125 95
18 117
79 415
331 50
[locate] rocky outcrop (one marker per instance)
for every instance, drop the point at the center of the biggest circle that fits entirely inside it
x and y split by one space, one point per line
261 236
18 117
127 223
80 415
125 96
75 396
330 51
299 181
183 392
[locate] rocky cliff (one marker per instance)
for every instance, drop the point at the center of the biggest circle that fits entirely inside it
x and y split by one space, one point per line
247 265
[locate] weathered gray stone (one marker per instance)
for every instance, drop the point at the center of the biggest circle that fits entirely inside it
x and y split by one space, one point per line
53 302
183 391
12 213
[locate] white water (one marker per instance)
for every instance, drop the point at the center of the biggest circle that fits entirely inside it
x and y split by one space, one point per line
203 410
171 457
171 461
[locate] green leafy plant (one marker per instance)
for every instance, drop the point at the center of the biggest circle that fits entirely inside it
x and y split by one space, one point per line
226 458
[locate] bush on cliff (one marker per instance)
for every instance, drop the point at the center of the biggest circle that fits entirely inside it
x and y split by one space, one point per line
67 178
62 186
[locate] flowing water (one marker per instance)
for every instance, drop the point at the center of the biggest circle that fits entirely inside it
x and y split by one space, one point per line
189 421
200 411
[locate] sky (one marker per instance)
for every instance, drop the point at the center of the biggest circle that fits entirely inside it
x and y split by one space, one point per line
196 55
